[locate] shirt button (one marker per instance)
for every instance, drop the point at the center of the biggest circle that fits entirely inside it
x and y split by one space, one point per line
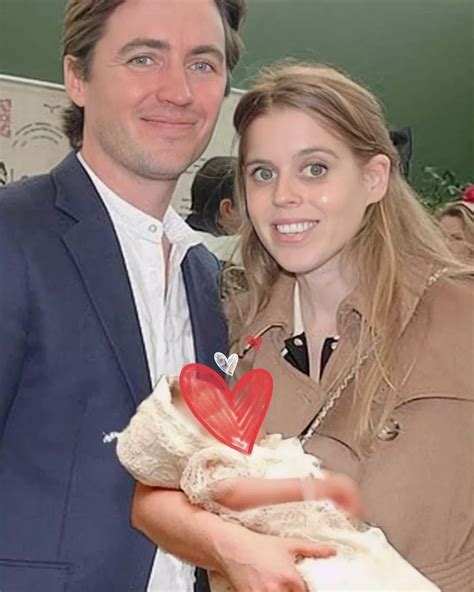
297 341
153 228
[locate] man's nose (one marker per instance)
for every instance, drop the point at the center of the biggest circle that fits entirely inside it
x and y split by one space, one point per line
173 86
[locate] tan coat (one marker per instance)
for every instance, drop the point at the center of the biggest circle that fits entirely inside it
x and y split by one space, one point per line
419 485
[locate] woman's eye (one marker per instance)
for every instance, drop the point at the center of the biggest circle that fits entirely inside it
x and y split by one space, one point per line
263 174
315 170
141 61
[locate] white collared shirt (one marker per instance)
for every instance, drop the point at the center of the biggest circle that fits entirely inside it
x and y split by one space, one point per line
164 317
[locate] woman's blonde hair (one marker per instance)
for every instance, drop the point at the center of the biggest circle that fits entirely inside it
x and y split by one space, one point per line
395 237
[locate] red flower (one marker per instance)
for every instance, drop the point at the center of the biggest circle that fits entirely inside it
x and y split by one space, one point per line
468 194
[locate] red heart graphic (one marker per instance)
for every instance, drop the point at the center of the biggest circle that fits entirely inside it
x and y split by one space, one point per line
255 342
233 417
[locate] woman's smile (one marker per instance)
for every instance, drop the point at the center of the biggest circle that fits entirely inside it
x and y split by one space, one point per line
289 232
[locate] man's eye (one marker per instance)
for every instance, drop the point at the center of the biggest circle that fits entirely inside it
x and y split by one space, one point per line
315 170
141 61
203 67
263 174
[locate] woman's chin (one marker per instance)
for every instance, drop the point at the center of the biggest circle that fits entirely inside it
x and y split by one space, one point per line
297 267
304 262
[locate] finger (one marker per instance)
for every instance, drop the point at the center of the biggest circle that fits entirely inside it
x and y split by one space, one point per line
357 508
307 549
317 552
361 511
351 507
297 585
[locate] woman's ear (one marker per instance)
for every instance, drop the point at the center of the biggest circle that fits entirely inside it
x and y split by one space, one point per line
73 81
376 175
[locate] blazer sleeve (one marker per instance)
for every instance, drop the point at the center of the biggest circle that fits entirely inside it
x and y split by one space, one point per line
13 318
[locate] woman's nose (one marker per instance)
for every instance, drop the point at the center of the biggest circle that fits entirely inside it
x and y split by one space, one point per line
286 193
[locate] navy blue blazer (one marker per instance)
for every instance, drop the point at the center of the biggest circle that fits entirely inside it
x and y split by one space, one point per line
73 368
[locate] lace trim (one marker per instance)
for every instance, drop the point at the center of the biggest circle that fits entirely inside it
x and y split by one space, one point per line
208 467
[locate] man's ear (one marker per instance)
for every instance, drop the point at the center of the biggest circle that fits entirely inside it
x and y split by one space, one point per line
73 81
376 175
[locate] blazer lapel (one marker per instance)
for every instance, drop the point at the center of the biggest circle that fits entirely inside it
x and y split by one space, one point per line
200 273
95 249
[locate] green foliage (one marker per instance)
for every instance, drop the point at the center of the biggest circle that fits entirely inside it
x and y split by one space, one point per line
437 189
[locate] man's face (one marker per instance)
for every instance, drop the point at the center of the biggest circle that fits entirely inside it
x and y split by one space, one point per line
156 84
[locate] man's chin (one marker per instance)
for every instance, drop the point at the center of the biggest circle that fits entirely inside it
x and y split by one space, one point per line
160 171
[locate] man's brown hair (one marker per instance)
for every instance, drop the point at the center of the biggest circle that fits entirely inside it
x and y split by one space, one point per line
85 22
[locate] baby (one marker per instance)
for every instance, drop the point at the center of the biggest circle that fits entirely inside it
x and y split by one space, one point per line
278 490
245 493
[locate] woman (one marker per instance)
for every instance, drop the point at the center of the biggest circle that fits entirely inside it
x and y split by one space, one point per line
351 283
363 312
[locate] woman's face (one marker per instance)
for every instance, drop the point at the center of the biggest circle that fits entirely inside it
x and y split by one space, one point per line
306 192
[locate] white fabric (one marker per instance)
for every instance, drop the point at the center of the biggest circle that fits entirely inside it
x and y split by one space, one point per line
161 447
164 317
297 314
225 248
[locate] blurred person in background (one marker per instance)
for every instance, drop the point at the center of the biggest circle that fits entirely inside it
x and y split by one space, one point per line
457 221
213 214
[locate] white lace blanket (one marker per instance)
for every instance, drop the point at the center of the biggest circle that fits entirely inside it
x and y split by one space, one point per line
161 448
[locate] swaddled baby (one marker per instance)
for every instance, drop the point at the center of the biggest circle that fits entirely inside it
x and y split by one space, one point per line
277 490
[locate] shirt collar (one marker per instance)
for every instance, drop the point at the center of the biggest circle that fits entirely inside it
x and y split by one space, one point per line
140 223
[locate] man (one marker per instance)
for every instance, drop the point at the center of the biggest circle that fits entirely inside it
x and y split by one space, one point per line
103 288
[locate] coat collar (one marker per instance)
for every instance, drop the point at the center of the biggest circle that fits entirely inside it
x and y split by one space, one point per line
75 191
95 250
279 311
312 396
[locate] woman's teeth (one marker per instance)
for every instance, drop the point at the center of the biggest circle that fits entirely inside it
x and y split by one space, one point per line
295 228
